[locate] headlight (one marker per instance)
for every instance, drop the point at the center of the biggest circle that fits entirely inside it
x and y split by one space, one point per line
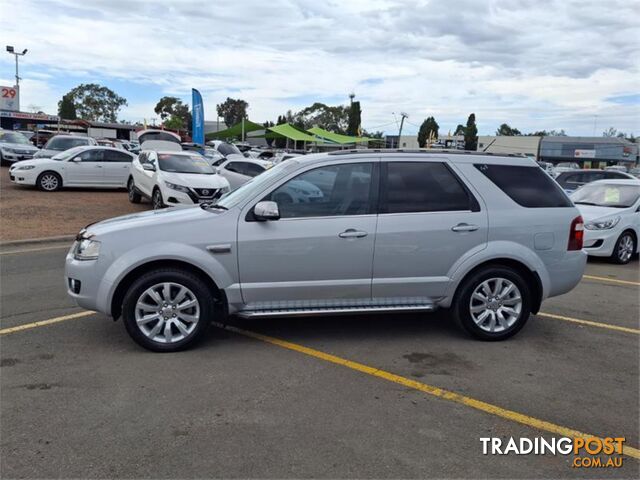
25 167
179 188
602 224
87 249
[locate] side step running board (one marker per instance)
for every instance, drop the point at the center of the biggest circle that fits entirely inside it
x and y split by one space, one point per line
298 312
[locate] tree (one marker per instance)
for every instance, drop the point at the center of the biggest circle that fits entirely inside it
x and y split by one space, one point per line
334 119
232 110
173 113
66 108
471 133
550 133
610 132
428 129
506 131
459 130
96 103
354 119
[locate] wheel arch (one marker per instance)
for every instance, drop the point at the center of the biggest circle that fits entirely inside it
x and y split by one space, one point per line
530 276
124 284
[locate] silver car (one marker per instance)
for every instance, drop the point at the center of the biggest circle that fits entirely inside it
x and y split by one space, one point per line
375 231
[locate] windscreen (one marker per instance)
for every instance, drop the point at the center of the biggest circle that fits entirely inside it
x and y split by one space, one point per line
607 195
12 137
184 164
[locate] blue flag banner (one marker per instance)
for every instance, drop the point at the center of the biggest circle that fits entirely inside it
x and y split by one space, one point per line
197 116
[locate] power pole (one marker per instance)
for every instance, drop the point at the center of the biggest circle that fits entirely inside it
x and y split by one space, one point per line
403 115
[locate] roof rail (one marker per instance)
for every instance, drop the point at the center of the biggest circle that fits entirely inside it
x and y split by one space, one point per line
423 151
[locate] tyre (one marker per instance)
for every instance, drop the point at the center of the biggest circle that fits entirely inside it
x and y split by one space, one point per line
493 303
167 310
156 199
49 181
134 196
625 248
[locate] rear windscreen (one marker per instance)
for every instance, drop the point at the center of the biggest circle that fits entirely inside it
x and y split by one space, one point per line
528 186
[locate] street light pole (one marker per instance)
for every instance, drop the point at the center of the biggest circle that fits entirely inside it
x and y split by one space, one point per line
13 52
403 115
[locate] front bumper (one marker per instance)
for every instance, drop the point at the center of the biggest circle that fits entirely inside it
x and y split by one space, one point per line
82 281
600 243
16 157
23 177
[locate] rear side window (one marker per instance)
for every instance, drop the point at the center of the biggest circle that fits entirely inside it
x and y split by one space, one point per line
423 187
527 186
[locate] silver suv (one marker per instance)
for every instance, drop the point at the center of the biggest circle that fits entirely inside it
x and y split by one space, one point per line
353 231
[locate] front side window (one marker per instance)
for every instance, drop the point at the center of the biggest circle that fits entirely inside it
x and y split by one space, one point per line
184 164
334 190
527 186
91 156
422 187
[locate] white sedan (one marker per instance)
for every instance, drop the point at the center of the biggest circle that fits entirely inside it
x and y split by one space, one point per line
611 213
239 170
173 178
86 166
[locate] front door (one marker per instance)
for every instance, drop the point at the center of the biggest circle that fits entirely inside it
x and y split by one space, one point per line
428 220
320 252
86 168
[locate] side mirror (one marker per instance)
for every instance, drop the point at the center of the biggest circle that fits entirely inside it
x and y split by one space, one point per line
76 159
264 211
148 167
216 170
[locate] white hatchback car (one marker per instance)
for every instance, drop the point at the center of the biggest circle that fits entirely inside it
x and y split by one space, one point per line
173 178
611 213
239 171
98 167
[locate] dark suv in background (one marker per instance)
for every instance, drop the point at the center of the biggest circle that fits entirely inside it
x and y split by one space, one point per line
571 181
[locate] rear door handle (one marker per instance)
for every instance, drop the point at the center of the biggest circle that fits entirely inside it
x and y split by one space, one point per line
352 233
98 166
465 227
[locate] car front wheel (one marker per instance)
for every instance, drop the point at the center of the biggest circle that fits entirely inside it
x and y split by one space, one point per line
156 199
134 196
167 310
49 182
624 249
493 303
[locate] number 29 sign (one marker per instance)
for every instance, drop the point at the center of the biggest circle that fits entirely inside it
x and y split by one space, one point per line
9 98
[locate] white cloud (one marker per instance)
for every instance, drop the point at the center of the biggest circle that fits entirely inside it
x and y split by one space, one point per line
546 64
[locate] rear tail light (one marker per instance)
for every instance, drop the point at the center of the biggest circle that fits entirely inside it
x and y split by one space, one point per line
576 234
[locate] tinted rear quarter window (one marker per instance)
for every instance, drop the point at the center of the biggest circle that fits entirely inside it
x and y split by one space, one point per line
527 186
422 187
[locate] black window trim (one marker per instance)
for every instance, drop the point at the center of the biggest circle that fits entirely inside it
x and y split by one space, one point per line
474 205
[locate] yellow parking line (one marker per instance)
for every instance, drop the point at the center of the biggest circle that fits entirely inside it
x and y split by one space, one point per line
428 389
612 280
590 323
42 323
28 250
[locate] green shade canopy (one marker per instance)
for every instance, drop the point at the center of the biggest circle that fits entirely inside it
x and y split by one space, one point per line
292 133
336 137
235 131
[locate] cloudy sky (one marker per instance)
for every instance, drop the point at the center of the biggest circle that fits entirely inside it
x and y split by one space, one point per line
536 65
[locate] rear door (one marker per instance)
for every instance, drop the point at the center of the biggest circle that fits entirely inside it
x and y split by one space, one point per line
116 167
428 220
86 168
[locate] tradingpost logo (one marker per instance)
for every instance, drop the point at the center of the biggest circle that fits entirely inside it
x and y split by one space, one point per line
587 452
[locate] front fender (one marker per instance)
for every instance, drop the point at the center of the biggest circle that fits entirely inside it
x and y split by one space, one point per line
147 253
495 251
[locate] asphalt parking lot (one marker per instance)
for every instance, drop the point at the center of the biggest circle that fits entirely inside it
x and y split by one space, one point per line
80 399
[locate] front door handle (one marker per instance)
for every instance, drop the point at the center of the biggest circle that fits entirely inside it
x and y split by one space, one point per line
465 227
98 166
352 233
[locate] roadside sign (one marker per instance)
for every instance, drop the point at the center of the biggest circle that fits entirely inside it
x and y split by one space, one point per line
9 98
578 153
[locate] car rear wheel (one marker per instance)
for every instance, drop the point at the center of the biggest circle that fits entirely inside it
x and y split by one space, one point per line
134 196
493 303
49 182
167 310
156 199
624 249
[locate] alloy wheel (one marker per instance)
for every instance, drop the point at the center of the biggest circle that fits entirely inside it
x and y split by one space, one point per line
157 200
49 182
167 312
495 305
625 248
